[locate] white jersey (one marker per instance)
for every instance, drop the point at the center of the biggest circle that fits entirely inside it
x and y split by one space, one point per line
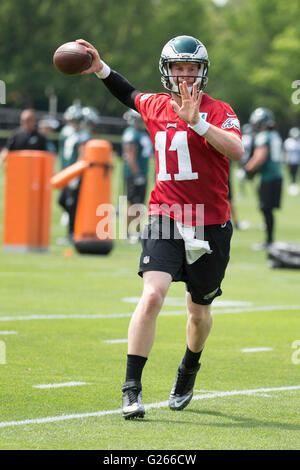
292 151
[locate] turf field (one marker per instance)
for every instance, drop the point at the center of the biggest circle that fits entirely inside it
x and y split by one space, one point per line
63 329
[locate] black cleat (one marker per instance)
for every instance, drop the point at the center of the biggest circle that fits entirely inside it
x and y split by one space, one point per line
132 400
182 391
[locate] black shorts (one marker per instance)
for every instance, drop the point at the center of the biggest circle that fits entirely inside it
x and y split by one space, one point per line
203 278
270 194
135 193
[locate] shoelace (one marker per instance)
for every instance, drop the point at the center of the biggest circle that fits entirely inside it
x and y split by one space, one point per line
132 394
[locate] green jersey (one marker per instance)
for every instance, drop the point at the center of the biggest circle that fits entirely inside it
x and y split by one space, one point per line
68 143
144 147
271 168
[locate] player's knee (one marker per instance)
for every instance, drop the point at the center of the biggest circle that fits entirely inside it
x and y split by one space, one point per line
153 299
200 314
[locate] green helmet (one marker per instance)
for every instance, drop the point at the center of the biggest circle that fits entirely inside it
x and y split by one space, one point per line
183 49
262 117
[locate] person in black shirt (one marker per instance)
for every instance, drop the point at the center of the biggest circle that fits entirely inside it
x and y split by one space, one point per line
26 137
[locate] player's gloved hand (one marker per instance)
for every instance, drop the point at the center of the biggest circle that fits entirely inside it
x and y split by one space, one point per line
139 180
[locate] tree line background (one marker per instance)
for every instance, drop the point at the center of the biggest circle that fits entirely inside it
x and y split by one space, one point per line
253 46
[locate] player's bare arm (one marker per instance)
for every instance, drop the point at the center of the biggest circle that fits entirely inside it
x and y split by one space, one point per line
3 156
130 151
187 107
226 143
258 159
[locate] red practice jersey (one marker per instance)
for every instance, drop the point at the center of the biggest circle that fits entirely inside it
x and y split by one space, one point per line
191 175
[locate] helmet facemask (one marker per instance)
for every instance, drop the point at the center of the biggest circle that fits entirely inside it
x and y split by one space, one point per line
171 82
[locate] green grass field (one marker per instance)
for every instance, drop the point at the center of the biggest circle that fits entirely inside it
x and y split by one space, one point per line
58 313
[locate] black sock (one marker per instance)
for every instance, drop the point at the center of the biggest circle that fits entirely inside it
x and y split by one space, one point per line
191 359
135 365
269 220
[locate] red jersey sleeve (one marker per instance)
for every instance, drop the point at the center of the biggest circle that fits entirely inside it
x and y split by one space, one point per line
226 119
149 105
143 101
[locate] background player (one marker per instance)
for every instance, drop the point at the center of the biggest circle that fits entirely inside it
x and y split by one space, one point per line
72 139
266 160
136 151
292 158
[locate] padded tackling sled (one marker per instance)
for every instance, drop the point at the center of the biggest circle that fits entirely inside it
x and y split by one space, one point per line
27 201
284 255
95 192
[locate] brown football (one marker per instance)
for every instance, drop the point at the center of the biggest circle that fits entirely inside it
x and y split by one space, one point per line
71 58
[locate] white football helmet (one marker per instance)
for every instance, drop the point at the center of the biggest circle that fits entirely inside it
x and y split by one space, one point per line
262 118
90 114
294 132
134 118
73 113
183 49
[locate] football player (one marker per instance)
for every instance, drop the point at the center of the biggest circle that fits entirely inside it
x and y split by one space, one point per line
71 142
136 151
266 160
193 136
292 158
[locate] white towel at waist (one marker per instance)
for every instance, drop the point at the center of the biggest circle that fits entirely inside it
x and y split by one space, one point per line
194 248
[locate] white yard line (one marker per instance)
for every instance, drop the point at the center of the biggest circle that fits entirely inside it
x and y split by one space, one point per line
162 404
95 316
8 332
250 350
115 341
63 316
60 385
264 308
180 302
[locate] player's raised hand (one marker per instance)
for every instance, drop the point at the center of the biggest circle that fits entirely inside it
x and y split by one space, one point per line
190 104
97 64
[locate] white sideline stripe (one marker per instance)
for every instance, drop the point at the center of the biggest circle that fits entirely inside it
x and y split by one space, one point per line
266 308
8 332
96 316
64 316
162 404
247 350
180 302
65 384
115 341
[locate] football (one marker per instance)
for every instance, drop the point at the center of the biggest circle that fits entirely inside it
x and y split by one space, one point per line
72 58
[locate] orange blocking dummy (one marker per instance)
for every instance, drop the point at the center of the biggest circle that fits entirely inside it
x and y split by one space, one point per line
27 200
93 231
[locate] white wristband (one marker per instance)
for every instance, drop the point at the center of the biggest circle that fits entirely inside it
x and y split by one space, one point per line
201 127
104 72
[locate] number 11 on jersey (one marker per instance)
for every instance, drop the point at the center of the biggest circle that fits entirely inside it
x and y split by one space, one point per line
179 144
